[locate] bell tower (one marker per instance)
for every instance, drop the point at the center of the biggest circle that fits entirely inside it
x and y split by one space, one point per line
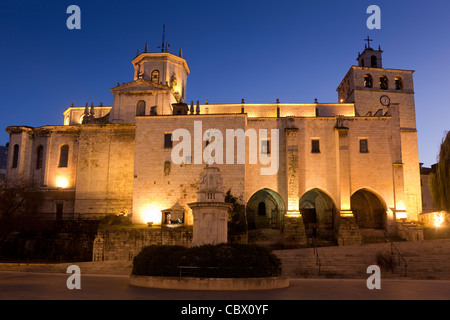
159 83
163 68
377 91
373 88
370 58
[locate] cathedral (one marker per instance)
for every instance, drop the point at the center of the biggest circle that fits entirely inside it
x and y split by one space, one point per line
342 170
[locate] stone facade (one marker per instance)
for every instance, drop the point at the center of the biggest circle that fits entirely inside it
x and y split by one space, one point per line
336 166
125 243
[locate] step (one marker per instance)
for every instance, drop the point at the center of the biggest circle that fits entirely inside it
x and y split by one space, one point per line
428 259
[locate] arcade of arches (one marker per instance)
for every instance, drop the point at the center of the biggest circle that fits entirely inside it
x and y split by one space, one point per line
318 211
368 210
265 209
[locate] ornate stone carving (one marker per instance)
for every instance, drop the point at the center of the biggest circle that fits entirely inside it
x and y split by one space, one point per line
210 187
210 211
167 166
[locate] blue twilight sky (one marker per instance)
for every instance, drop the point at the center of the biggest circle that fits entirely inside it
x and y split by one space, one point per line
257 50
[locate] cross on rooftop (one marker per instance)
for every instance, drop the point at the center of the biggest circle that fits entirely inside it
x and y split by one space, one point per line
368 41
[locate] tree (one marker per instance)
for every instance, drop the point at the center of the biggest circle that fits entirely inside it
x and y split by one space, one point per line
440 180
18 208
237 222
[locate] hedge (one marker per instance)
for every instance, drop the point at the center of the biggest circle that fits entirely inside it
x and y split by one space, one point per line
210 261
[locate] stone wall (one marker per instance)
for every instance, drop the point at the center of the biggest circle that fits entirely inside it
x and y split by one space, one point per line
55 241
124 243
104 182
294 231
159 182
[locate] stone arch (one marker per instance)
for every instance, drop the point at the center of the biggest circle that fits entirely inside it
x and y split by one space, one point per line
369 209
368 80
398 83
155 76
373 61
317 209
63 156
140 108
39 156
384 83
15 158
269 201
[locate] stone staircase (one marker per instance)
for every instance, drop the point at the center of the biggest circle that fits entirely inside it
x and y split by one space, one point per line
429 259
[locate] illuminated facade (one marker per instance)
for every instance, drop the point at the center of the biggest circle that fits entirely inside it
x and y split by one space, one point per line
343 168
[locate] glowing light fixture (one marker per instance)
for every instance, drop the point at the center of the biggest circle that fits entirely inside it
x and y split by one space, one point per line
438 219
293 214
346 213
62 182
400 205
151 213
400 214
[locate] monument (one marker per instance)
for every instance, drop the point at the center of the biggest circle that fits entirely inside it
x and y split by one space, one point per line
210 212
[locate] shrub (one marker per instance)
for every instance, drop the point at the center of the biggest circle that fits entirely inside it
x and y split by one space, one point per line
115 220
237 221
212 261
386 261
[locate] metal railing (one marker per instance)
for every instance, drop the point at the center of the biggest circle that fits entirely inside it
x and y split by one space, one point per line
399 255
316 253
395 250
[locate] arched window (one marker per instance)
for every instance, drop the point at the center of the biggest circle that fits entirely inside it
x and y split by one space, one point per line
140 108
262 208
398 83
368 81
63 156
384 82
15 159
373 62
39 156
155 76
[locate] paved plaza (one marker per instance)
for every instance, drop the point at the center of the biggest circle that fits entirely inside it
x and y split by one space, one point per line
52 286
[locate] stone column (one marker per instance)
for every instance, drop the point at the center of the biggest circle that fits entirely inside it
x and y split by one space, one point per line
397 165
293 228
292 169
347 229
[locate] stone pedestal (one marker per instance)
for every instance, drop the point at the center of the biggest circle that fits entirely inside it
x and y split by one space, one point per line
409 231
210 212
210 222
348 232
294 229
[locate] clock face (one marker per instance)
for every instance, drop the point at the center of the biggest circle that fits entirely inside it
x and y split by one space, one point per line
385 101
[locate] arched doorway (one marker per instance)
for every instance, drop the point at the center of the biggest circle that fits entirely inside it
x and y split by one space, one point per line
318 212
265 209
368 209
